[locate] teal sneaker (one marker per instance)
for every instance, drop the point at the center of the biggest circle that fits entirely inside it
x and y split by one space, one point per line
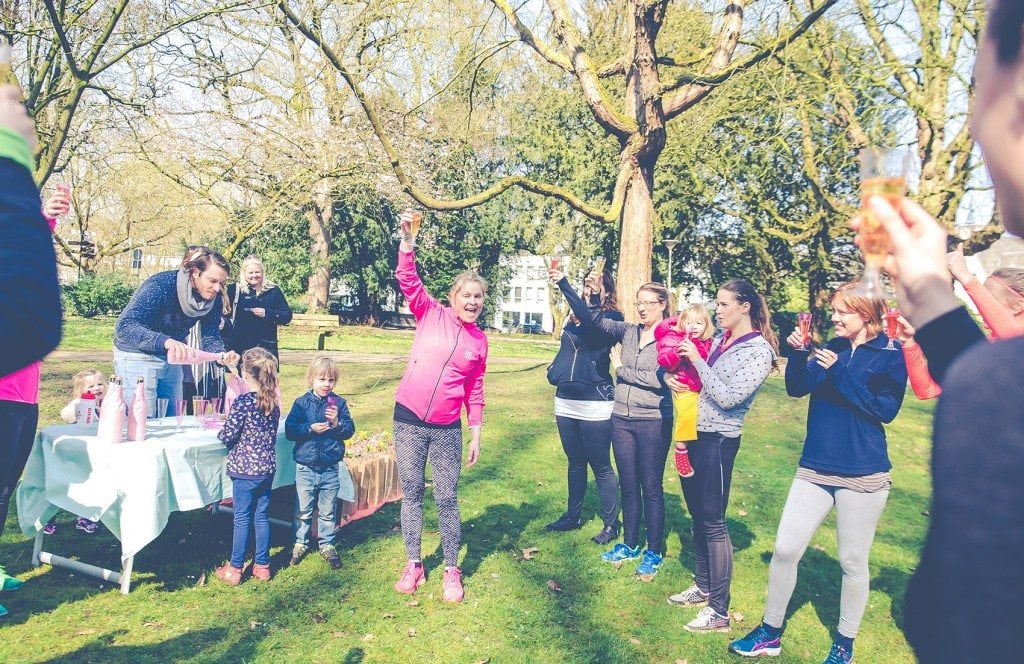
838 655
621 553
649 565
763 641
8 582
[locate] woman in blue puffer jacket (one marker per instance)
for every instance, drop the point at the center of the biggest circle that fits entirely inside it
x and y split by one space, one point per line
584 398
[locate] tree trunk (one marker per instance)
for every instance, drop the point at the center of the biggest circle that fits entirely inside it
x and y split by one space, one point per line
635 240
318 213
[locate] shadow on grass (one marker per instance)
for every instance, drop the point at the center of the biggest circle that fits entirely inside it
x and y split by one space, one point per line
893 582
497 529
185 646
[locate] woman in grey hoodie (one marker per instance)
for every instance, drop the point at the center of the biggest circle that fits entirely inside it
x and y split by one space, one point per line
740 361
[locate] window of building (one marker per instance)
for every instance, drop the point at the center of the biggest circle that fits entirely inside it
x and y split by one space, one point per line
517 294
529 293
136 260
533 318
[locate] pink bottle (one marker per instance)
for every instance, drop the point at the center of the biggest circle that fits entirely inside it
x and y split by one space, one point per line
137 413
112 413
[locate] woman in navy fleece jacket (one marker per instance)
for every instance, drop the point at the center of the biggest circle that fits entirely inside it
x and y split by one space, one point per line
856 385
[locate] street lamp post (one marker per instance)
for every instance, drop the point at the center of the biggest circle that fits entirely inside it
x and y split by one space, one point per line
671 244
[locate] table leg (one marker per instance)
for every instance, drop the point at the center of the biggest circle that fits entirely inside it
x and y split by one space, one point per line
221 509
37 548
126 575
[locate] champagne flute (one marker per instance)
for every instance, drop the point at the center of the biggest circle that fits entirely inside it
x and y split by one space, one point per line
161 409
883 172
892 326
598 268
196 400
803 321
215 406
180 408
414 221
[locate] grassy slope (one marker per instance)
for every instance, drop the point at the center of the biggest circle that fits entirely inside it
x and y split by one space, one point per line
510 614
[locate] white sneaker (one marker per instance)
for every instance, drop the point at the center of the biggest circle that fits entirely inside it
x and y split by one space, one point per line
708 620
692 596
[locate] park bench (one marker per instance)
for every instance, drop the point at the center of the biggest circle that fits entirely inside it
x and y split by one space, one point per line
323 324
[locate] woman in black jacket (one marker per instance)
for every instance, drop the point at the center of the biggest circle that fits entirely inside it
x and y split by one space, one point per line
257 308
584 399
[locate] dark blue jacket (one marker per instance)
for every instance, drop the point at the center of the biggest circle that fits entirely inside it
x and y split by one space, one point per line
580 369
29 297
247 330
318 451
154 314
849 403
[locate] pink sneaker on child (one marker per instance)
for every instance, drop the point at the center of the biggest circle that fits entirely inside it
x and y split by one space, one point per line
261 572
50 529
453 591
85 524
412 578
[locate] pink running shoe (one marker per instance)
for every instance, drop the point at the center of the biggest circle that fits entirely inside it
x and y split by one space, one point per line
453 591
261 572
412 578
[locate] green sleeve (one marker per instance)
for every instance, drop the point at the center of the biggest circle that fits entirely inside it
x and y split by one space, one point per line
14 146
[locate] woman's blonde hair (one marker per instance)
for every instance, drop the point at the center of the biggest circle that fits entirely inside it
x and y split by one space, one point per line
253 259
870 309
467 277
79 380
697 313
261 366
321 366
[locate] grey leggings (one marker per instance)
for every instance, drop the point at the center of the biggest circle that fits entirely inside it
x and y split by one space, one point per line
857 515
413 445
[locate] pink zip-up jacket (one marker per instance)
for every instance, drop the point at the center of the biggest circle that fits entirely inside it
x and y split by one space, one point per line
668 338
448 359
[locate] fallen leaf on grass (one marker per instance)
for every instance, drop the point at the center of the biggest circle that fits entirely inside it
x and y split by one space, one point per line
618 563
153 624
85 632
412 631
818 547
340 635
388 615
635 641
201 581
255 624
742 512
646 578
319 618
682 661
926 513
554 585
413 603
737 616
368 637
483 661
528 553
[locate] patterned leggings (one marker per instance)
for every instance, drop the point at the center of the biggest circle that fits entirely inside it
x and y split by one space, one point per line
414 444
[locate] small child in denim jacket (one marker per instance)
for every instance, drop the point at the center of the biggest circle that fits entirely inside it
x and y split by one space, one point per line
319 423
693 322
250 432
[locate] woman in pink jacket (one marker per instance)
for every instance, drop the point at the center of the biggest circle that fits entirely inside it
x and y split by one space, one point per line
445 371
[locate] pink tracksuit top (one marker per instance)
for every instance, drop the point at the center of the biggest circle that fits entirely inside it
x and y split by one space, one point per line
448 359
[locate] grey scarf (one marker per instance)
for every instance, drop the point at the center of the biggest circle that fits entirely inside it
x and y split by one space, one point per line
191 306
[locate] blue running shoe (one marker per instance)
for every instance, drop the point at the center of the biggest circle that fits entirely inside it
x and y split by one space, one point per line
621 553
649 565
839 655
759 643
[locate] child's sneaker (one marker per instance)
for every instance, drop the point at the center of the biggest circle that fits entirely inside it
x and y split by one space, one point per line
708 620
50 529
298 551
761 642
261 572
683 466
453 591
649 565
412 578
621 553
330 554
86 525
229 575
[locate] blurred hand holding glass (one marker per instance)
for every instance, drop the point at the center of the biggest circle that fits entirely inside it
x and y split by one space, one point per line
892 326
883 172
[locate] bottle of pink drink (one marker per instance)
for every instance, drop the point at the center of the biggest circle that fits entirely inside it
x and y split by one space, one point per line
112 413
137 413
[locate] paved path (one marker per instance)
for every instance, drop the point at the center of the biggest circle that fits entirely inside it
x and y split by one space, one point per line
296 357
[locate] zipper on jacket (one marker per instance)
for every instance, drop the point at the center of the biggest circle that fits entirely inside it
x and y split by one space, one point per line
443 367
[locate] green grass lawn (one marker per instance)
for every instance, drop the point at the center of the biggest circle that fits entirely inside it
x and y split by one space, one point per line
510 614
81 334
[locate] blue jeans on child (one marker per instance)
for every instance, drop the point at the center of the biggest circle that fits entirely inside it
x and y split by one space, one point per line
316 488
252 498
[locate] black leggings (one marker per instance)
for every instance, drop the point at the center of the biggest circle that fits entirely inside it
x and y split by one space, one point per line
589 442
641 449
707 496
17 432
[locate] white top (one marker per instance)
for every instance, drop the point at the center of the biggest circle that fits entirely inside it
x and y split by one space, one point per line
590 411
